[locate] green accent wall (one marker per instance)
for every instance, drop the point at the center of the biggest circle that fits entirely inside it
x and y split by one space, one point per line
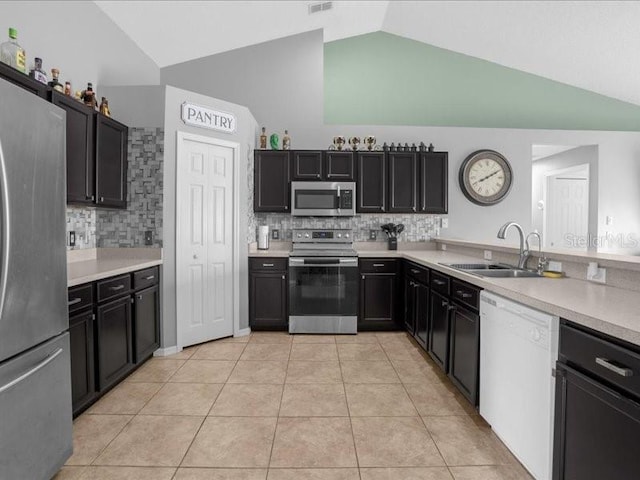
384 79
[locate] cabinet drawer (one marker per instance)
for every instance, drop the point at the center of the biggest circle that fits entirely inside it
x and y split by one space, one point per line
268 264
145 278
615 363
378 265
80 297
113 287
465 294
419 273
440 282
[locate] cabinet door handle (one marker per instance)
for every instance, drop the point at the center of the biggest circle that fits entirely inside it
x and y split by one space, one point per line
150 277
415 270
378 264
267 264
139 297
90 197
75 301
286 208
622 371
451 307
115 289
101 199
132 301
462 294
444 303
283 277
439 282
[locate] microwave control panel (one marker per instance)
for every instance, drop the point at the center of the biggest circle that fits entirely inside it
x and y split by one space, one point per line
346 199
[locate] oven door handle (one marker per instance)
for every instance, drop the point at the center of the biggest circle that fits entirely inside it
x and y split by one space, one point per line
323 262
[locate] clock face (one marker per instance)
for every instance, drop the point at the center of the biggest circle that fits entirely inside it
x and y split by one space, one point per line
485 177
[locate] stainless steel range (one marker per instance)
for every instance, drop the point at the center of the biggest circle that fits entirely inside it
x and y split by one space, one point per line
323 282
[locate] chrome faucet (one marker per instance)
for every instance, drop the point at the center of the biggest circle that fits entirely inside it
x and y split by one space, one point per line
524 254
542 260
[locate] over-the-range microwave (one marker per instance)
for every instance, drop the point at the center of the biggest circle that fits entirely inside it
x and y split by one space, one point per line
323 199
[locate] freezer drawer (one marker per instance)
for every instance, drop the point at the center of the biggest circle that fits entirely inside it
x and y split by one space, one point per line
35 411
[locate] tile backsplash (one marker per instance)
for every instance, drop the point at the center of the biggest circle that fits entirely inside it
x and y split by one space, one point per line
417 227
126 228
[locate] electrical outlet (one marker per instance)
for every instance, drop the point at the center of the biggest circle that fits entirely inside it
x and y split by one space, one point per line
72 238
554 266
275 234
445 223
596 274
373 234
443 246
487 254
148 237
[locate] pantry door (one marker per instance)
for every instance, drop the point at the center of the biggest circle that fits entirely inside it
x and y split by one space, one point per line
205 277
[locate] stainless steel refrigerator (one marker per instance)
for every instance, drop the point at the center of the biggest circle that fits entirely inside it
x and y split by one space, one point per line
35 378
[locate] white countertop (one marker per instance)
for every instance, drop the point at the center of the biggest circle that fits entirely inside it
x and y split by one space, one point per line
610 310
84 266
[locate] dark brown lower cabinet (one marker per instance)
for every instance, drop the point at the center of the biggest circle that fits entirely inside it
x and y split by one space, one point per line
409 305
438 340
83 384
114 341
464 351
268 301
421 313
146 323
377 301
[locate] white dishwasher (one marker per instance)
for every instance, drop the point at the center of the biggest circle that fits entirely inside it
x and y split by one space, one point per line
518 352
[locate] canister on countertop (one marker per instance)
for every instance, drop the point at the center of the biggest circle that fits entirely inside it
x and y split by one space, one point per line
263 237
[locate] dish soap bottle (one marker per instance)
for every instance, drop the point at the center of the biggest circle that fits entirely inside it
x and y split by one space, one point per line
13 54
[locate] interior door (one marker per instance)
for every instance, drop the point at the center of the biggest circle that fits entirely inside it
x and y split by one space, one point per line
204 240
567 211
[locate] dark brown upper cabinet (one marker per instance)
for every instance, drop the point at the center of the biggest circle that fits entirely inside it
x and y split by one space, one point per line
12 75
403 182
111 163
81 180
339 166
372 182
434 174
306 165
271 190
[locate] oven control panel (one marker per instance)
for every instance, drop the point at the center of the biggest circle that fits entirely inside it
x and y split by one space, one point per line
322 236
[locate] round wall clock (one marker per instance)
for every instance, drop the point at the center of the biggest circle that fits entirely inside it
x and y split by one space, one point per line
485 177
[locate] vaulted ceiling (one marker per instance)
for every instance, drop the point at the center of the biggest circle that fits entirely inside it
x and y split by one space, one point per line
589 44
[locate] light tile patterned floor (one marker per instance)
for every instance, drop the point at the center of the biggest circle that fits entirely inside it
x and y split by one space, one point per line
272 406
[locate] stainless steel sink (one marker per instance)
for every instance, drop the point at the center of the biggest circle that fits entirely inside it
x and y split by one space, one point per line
477 266
508 273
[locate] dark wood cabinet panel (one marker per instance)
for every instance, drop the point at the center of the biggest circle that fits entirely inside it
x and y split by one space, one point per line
464 352
438 338
111 163
80 149
409 305
434 175
83 385
403 182
371 185
268 300
306 165
272 189
378 304
421 314
339 166
146 323
12 75
114 341
595 429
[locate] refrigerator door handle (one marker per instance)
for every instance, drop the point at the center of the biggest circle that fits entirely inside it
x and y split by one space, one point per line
30 372
4 262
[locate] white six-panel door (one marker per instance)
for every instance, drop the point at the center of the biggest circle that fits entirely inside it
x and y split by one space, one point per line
204 239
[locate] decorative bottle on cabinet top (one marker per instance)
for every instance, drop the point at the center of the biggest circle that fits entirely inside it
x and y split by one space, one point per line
286 141
37 73
13 54
263 139
55 83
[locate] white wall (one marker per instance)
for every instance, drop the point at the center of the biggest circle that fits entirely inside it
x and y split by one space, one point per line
244 135
79 40
137 106
281 82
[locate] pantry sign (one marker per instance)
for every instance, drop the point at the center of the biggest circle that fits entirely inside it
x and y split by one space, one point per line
203 117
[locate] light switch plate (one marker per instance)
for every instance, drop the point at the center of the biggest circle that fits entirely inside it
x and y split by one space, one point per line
275 234
487 254
554 266
445 223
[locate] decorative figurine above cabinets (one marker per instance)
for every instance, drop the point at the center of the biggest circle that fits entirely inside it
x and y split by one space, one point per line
274 141
104 107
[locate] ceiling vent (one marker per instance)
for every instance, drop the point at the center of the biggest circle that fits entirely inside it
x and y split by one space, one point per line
320 7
